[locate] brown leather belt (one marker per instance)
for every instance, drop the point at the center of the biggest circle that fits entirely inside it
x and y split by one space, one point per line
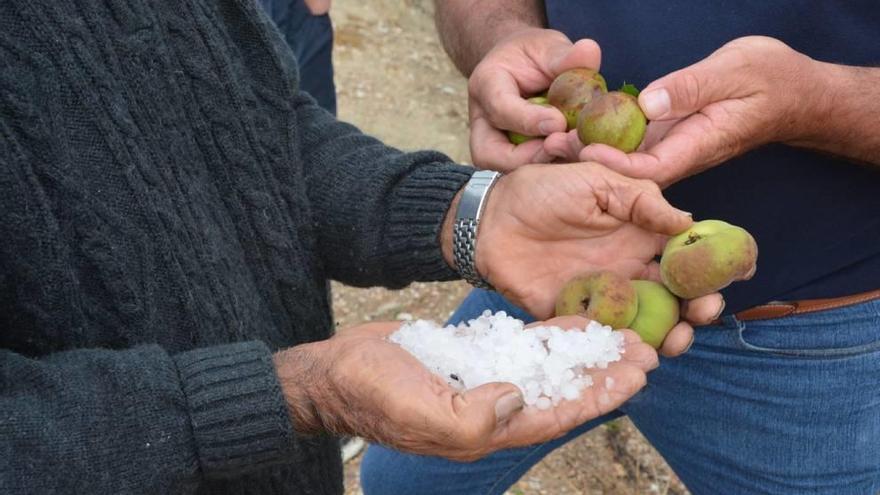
778 309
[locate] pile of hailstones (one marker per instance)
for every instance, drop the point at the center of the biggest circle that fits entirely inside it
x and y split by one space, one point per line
548 364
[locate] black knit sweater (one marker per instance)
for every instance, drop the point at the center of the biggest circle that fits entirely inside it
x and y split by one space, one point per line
171 211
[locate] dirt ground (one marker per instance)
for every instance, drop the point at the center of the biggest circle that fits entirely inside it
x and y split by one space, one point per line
394 81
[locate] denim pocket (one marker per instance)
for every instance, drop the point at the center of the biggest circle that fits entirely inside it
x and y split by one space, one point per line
835 333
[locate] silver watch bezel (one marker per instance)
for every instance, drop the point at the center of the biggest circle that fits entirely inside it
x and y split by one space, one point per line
467 224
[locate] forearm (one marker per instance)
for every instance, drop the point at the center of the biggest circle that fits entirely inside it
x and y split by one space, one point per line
843 116
470 28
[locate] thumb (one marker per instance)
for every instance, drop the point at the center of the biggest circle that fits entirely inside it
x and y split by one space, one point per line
488 406
583 53
498 93
689 90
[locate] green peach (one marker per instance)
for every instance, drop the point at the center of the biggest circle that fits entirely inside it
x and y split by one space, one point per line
517 138
605 297
573 89
614 119
706 258
658 312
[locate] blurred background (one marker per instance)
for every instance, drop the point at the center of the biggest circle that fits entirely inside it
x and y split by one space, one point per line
395 82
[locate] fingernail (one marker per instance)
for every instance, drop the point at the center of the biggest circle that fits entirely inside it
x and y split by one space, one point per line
506 406
656 103
685 213
690 344
547 127
718 314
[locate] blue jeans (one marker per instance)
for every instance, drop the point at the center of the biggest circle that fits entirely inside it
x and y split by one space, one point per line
310 37
782 406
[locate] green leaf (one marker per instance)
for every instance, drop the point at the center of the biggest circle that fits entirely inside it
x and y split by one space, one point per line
629 89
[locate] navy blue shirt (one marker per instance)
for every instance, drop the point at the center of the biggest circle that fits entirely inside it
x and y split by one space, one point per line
816 218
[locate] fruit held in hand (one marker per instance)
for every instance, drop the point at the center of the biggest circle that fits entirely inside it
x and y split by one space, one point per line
702 260
573 89
646 307
706 258
601 296
658 312
614 119
517 138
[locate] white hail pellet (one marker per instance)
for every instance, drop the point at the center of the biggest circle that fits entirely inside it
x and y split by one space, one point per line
548 364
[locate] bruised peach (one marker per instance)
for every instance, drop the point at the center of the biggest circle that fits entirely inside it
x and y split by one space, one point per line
614 119
573 89
706 258
605 297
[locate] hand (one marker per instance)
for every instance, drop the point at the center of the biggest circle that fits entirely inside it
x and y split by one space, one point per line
751 92
358 383
523 64
318 7
546 224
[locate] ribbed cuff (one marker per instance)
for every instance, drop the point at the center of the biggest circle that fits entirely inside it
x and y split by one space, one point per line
238 413
417 213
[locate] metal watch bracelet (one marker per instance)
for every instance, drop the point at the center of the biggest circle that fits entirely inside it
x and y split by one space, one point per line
467 224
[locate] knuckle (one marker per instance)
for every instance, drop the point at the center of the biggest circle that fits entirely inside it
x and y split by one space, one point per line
475 83
482 80
527 124
492 105
759 42
482 157
739 58
688 91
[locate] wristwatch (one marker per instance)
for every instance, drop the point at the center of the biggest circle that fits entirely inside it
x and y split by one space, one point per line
467 223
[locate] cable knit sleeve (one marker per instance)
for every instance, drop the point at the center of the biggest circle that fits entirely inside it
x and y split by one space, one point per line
129 419
376 211
379 210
